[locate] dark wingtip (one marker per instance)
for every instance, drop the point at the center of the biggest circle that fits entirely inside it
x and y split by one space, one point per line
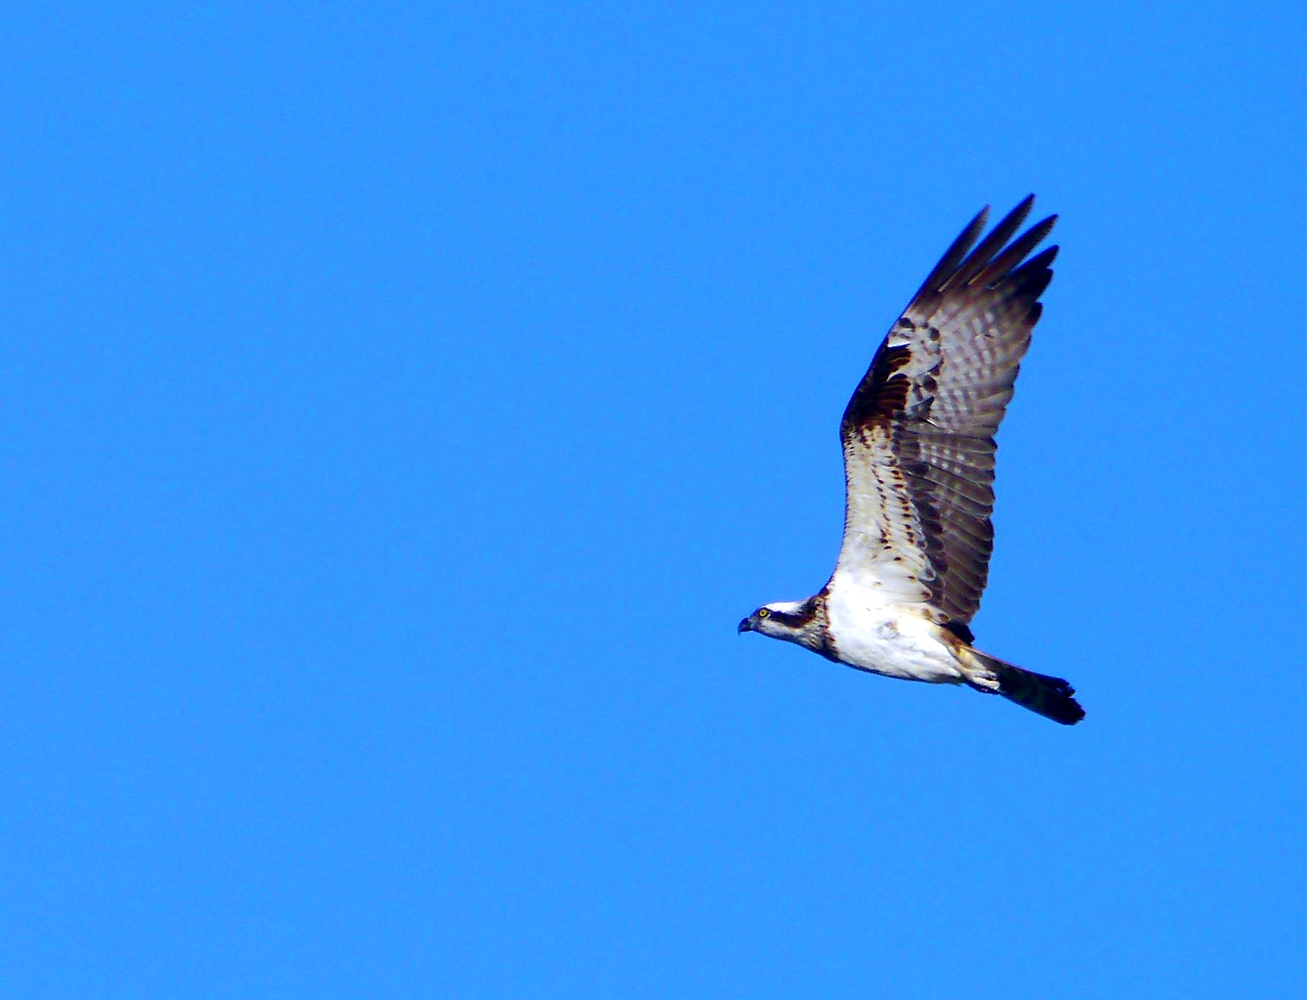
955 254
1058 701
1066 710
1051 697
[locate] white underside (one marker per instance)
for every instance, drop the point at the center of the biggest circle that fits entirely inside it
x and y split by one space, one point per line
892 639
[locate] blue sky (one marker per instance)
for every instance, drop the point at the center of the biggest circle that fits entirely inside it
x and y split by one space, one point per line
400 407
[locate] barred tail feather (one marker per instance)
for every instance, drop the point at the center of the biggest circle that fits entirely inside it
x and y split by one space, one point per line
1051 697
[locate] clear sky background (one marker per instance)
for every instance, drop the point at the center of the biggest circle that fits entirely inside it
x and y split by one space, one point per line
400 404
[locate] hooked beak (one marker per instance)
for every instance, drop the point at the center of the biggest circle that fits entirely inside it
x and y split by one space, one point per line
746 625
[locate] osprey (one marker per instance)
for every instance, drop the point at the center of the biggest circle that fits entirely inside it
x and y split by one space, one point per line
918 440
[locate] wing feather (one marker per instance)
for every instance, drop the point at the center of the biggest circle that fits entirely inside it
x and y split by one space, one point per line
918 433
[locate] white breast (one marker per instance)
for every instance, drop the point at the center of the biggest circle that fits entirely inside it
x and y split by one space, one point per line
895 640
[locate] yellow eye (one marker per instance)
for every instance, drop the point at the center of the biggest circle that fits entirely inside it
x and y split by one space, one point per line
763 612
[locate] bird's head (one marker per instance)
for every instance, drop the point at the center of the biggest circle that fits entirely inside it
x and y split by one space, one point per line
793 621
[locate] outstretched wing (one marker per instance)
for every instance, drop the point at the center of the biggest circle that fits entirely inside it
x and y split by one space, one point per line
918 433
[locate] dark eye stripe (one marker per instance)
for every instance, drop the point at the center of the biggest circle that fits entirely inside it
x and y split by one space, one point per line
793 621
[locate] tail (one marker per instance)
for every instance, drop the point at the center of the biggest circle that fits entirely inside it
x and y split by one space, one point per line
1051 697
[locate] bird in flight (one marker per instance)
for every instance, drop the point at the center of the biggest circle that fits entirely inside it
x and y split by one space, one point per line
918 440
